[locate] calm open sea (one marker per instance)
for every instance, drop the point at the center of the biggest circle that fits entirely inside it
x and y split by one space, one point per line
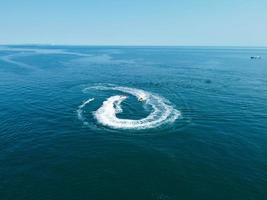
163 123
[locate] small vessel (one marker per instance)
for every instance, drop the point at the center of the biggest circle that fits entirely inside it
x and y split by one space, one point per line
255 57
141 99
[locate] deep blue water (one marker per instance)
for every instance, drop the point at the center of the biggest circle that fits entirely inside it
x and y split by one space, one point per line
215 149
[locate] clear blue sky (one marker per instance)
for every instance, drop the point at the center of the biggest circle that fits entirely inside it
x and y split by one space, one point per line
134 22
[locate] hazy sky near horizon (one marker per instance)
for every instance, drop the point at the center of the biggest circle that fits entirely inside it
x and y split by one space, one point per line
134 22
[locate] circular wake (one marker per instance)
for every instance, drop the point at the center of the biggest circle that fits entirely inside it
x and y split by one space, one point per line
162 111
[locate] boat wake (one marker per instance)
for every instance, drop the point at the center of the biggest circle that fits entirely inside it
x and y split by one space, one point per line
162 111
80 110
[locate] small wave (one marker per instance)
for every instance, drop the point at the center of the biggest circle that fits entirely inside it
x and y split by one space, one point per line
162 111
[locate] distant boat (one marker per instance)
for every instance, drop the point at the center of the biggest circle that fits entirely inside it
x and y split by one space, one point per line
255 57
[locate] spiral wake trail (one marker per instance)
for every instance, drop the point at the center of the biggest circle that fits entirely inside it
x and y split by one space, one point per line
162 111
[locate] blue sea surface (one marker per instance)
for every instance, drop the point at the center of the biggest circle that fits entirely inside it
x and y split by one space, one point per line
110 122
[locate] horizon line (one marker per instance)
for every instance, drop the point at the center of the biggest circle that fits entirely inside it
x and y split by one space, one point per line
128 45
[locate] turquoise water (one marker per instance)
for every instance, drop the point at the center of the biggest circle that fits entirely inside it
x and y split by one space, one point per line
133 123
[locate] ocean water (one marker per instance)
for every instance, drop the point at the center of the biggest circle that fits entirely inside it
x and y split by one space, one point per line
163 123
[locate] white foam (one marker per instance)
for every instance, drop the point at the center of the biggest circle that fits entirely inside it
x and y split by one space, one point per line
80 110
162 111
